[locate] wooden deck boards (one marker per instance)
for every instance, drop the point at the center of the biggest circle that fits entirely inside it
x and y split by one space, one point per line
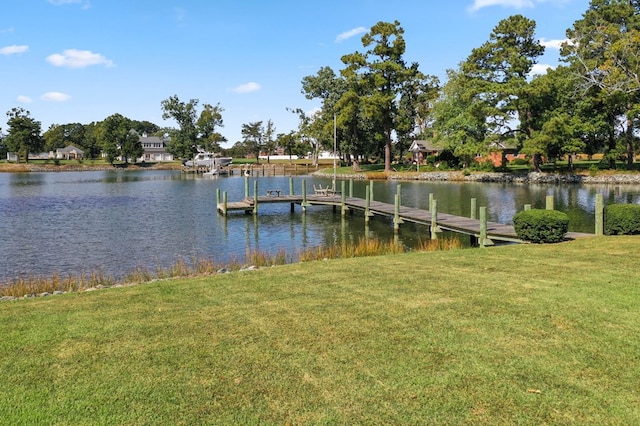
465 225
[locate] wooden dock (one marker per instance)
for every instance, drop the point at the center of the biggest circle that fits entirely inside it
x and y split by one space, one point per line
484 232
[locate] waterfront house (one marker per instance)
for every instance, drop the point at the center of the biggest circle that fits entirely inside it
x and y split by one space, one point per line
421 149
154 149
69 152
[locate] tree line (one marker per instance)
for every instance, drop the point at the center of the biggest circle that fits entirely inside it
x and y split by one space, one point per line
378 103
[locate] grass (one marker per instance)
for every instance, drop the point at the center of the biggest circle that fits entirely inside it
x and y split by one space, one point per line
34 286
526 334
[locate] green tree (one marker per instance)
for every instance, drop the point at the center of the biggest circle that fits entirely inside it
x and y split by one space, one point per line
210 119
253 138
268 139
290 143
23 134
61 135
383 71
603 51
131 147
317 129
194 130
113 135
498 73
460 118
184 140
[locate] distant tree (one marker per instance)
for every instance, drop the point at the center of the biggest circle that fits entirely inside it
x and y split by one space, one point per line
113 135
210 119
460 118
386 78
144 127
603 52
3 147
61 135
268 140
253 138
131 146
90 142
498 75
184 140
195 130
54 137
290 143
23 134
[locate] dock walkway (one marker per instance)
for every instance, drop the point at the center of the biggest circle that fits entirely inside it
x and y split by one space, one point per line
485 230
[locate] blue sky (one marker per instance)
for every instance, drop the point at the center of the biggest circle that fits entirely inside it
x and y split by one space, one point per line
70 61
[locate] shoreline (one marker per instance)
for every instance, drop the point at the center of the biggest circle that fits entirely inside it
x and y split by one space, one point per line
498 177
442 176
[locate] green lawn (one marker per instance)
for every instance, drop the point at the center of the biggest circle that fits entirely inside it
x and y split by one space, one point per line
526 334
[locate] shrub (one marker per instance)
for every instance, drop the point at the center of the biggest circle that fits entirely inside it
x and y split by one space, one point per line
520 162
541 226
622 219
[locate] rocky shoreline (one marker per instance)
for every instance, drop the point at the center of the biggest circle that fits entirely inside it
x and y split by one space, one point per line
450 176
496 177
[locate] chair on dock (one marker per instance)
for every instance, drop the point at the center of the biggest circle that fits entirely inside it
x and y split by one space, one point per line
320 190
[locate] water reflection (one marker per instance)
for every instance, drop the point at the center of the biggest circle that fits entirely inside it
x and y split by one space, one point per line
71 222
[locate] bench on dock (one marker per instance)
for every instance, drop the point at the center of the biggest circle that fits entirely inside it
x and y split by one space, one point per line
328 191
274 192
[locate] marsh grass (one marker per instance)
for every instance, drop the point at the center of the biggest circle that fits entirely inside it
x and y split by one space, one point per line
199 266
521 334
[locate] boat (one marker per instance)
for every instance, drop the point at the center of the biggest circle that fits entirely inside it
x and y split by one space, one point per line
210 160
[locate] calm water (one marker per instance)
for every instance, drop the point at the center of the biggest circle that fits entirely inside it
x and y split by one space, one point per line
116 221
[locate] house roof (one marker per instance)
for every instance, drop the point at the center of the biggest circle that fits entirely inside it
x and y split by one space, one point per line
68 149
424 146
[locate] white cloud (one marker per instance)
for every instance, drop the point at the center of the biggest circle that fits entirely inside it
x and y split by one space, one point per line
73 58
85 4
540 69
55 97
11 50
515 4
553 44
247 88
6 30
24 99
351 33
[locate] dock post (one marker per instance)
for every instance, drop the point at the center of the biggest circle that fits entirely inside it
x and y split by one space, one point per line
255 196
224 203
246 187
599 214
396 210
434 220
484 240
430 201
350 188
343 195
549 202
291 192
473 240
367 206
370 190
527 207
304 196
217 197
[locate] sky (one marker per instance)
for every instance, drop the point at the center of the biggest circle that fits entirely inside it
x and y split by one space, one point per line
80 61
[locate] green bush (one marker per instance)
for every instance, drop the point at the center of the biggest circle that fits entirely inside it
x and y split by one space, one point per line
541 226
622 219
519 162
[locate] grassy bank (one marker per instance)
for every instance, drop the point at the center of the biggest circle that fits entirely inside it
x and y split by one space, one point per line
523 334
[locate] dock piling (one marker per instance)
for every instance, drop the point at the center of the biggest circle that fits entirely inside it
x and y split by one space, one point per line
599 215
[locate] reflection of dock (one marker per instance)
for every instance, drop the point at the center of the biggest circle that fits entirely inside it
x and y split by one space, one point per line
477 226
